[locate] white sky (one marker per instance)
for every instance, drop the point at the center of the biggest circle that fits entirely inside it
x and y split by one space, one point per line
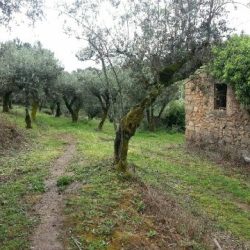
50 33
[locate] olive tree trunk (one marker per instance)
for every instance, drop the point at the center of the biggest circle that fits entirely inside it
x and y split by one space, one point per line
6 101
74 112
58 109
150 119
75 115
27 119
127 128
103 119
41 105
34 108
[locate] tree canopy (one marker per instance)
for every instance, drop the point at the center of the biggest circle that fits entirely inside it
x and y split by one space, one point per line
31 8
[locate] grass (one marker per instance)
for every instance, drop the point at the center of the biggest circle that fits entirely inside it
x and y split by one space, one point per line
63 182
22 183
105 211
213 190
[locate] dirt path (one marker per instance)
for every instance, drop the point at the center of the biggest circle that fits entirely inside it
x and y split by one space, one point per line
45 236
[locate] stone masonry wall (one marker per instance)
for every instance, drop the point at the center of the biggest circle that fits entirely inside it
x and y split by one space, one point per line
226 131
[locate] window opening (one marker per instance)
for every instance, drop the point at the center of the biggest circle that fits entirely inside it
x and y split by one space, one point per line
220 96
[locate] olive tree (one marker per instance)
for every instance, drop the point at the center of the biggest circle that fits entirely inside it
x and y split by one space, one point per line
161 42
165 48
47 69
8 53
95 86
72 93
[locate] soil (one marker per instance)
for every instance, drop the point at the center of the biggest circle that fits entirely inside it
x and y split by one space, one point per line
10 136
46 235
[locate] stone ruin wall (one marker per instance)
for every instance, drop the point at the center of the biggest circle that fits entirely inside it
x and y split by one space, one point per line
226 131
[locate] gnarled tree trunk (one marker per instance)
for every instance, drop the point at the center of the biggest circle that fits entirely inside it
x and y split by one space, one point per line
41 105
52 108
73 112
131 121
34 108
127 128
6 101
162 109
10 103
75 115
103 119
58 109
150 118
27 119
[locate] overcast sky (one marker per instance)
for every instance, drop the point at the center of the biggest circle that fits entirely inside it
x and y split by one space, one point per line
50 33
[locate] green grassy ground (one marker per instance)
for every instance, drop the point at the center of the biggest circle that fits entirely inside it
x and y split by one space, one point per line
104 210
22 175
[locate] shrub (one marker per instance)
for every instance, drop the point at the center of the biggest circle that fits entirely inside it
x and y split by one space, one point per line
175 115
231 65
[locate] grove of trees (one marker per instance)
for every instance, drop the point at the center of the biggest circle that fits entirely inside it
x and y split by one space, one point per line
143 50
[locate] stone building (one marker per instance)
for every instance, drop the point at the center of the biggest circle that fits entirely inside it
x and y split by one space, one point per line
214 118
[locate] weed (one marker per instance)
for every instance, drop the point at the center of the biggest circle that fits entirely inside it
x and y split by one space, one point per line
97 245
64 181
139 205
151 233
106 227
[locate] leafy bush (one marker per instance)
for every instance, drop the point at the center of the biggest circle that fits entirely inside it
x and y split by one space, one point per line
175 115
231 65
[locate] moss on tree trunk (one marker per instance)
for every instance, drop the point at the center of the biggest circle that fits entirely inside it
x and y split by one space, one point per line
34 109
127 128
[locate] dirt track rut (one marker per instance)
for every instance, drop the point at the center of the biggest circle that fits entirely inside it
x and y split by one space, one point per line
45 236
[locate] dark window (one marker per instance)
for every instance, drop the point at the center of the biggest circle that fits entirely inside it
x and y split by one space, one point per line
220 96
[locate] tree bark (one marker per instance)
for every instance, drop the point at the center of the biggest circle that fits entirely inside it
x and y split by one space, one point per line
127 128
151 119
6 101
104 69
10 104
162 109
34 109
104 117
121 149
41 105
75 115
52 108
27 119
58 109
